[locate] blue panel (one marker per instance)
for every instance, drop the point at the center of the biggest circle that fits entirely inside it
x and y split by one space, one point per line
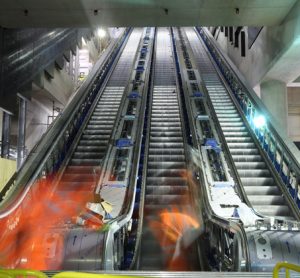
123 143
211 142
198 94
133 95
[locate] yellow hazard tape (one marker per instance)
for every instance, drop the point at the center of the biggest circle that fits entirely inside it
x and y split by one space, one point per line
70 274
12 273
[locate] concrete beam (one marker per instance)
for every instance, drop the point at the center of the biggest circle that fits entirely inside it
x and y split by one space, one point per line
114 13
274 96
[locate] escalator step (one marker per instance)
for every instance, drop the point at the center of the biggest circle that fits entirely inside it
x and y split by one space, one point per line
235 151
262 190
246 173
266 200
166 199
250 165
166 180
246 158
274 210
166 189
166 172
258 181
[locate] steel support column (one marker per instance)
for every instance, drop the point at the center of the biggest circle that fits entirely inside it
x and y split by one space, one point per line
21 132
5 135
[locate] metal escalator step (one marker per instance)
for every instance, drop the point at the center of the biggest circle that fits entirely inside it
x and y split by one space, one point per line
247 173
224 111
241 145
83 170
227 115
165 119
91 148
224 122
78 177
250 165
86 161
165 151
104 114
162 158
273 210
262 190
221 99
173 124
95 137
103 117
235 151
76 185
234 133
166 139
166 165
166 181
97 126
246 158
97 132
166 145
165 128
166 133
229 119
95 142
166 199
237 139
166 189
258 181
87 155
100 121
166 172
266 200
151 209
234 128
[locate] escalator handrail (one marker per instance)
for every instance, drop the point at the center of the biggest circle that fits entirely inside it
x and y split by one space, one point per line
33 166
289 148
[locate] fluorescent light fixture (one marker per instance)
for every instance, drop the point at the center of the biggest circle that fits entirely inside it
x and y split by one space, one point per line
259 121
101 33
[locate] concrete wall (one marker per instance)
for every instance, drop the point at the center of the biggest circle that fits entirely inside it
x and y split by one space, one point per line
294 113
266 57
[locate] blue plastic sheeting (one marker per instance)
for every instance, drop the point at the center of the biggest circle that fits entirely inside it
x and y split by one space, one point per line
213 144
123 143
134 95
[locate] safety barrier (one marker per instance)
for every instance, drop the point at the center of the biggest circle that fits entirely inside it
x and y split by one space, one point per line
287 268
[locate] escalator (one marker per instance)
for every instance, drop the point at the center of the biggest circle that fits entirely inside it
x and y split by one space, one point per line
47 206
263 191
84 164
166 185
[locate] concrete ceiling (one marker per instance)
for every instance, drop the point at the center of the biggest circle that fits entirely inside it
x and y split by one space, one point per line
87 13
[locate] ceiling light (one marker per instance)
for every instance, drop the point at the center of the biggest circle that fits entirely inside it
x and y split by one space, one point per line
101 33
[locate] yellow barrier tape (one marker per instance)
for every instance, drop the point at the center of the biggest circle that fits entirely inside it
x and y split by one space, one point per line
12 273
70 274
287 267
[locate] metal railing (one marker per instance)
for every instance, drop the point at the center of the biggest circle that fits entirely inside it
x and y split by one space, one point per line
281 152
